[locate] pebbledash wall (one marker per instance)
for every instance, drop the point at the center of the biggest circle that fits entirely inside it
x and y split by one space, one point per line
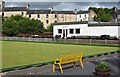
85 30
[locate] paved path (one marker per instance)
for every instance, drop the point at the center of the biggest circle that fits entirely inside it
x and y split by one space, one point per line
89 67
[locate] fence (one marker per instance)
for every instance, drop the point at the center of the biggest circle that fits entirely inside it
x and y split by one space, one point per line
89 41
78 41
28 39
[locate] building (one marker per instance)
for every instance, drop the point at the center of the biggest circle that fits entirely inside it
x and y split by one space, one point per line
46 16
82 16
116 15
69 29
92 15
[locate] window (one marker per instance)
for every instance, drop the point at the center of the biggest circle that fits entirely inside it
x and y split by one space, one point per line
38 16
55 16
46 15
22 13
47 21
60 31
77 31
55 21
2 14
71 31
29 15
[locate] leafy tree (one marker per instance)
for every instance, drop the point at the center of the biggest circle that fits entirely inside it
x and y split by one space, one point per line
94 9
103 14
50 28
18 24
10 27
97 18
106 18
101 11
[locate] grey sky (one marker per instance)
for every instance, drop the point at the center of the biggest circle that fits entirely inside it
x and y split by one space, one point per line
61 0
63 5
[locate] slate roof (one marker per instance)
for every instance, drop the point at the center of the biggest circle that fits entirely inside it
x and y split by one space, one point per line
55 12
82 12
39 11
14 9
49 11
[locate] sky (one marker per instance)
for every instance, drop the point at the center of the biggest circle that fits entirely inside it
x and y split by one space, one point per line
61 0
61 5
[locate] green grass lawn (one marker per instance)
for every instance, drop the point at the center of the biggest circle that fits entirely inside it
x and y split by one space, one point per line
23 53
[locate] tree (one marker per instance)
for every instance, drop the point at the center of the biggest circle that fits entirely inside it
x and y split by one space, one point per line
106 18
10 27
97 18
101 11
18 24
94 9
104 14
50 28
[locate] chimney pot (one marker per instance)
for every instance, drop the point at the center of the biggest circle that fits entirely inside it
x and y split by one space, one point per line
27 6
75 11
51 8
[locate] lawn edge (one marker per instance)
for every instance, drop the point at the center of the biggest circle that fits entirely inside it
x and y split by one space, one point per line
50 62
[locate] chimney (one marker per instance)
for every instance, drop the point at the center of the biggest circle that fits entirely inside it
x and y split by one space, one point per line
27 6
51 9
114 8
75 11
2 3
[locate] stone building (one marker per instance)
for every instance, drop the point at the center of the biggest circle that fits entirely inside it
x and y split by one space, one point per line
91 14
116 15
47 16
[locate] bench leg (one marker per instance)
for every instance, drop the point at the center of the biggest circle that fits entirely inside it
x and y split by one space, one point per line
61 68
53 67
74 64
81 63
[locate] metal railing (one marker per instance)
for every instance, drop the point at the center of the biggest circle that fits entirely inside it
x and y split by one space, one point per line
77 41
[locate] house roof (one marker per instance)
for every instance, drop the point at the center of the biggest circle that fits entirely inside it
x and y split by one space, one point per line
55 12
49 11
64 12
68 23
14 9
41 11
83 12
38 11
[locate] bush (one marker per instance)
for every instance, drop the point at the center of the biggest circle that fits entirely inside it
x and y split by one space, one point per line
50 28
18 24
103 65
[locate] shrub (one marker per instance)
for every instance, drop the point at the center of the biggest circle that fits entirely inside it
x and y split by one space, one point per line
103 65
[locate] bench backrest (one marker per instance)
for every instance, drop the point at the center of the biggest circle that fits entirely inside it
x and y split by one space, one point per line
71 58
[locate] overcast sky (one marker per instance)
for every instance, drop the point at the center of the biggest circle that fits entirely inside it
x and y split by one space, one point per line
63 5
61 0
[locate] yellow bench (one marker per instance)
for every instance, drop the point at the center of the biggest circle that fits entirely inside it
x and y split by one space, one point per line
68 59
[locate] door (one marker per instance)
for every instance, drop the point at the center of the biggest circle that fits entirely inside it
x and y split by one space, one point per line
63 33
66 33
